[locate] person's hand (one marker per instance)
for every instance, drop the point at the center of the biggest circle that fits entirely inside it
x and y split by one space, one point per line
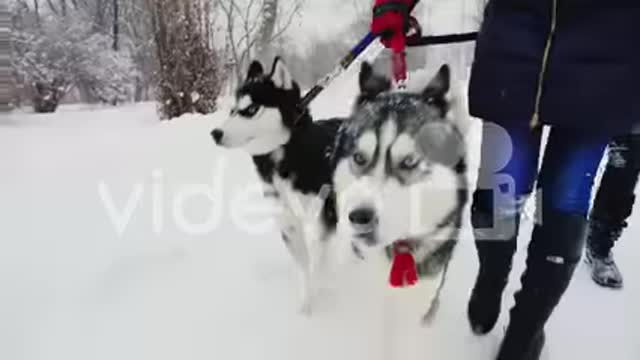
391 22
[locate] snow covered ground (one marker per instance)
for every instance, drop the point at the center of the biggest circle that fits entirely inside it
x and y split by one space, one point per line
73 288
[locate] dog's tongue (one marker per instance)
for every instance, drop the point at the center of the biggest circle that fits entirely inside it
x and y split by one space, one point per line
403 270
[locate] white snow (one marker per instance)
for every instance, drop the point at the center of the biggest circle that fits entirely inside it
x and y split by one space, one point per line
72 289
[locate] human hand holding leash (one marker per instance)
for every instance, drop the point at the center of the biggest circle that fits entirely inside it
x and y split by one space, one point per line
392 21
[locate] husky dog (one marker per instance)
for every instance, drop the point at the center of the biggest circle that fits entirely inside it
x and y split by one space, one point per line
400 172
291 154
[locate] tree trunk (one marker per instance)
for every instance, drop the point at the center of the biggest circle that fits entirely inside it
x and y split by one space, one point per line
207 22
267 29
98 21
189 78
52 7
139 91
36 7
116 25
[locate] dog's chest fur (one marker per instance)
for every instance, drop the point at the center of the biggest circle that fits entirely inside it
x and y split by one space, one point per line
298 174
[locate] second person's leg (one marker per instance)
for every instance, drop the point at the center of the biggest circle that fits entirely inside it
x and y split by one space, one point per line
612 206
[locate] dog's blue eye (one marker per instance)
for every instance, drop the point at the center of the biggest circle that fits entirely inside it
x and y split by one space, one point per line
359 159
410 162
249 111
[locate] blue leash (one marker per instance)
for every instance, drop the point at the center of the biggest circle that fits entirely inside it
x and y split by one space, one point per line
357 50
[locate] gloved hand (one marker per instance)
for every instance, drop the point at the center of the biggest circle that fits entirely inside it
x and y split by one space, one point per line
391 21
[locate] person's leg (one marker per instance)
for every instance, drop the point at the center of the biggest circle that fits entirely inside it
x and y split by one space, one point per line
508 167
565 182
612 207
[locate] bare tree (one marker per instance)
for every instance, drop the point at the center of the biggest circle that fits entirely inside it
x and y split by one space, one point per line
268 20
253 26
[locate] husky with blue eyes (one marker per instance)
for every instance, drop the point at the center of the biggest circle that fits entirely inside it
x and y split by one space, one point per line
400 172
291 154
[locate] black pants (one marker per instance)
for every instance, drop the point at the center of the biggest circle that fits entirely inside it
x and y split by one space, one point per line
615 198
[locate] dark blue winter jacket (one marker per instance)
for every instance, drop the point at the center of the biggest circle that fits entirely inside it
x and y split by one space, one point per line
573 63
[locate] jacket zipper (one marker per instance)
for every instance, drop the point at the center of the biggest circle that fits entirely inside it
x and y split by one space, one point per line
535 120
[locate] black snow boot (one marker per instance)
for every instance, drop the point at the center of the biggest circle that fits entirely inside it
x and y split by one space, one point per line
495 244
486 297
600 239
612 206
554 253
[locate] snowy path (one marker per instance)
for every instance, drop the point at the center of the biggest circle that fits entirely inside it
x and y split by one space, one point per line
72 289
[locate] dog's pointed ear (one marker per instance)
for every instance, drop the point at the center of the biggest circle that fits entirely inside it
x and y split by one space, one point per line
371 84
255 70
438 88
280 75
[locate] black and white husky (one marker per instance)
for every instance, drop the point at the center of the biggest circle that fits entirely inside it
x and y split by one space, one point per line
400 172
291 154
394 170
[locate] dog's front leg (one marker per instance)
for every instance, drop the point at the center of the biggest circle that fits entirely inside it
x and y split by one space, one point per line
317 244
299 250
293 235
301 256
306 308
309 279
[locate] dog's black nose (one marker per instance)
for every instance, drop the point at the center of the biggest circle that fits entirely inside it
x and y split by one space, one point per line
217 135
362 216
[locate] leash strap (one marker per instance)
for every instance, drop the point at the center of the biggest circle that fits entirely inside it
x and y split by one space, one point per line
342 66
441 39
399 59
399 68
364 44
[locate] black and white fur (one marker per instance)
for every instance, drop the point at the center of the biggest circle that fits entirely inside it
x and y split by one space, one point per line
291 153
400 172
